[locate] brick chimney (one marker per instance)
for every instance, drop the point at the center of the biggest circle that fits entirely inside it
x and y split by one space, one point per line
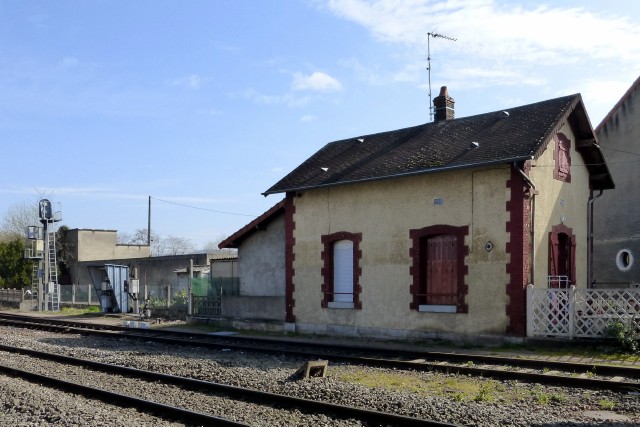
443 106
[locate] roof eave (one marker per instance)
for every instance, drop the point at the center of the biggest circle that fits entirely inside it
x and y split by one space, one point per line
233 241
401 175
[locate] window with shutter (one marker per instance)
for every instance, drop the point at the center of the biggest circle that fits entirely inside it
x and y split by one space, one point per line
440 261
341 270
562 257
438 269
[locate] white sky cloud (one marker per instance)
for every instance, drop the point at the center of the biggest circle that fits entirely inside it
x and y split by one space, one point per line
316 81
192 81
488 30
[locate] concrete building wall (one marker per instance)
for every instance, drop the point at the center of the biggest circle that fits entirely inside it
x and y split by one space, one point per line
384 212
254 307
91 245
224 267
261 261
557 203
617 212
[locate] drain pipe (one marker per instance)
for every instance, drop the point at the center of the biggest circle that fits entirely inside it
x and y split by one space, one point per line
592 198
533 218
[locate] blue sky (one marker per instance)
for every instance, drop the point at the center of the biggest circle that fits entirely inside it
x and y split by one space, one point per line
204 105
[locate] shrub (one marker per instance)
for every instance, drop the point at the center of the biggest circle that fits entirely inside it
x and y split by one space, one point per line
623 335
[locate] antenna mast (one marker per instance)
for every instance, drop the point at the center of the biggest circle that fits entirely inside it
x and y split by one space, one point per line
429 36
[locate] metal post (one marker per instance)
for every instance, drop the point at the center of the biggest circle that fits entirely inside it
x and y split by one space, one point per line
529 309
45 269
189 290
149 226
571 310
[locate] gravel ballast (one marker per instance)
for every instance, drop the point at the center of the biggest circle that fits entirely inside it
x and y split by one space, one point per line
488 403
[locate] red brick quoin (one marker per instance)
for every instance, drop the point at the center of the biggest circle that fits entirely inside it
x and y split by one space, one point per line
289 242
519 246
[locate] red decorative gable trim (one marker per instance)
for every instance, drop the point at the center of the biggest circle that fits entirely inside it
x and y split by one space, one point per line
259 223
562 157
289 242
519 246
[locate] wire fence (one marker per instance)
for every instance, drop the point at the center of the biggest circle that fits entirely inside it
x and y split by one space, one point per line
79 294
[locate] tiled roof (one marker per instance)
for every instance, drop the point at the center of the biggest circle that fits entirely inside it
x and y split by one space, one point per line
513 135
259 223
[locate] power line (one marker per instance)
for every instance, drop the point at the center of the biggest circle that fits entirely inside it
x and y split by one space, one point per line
203 209
619 151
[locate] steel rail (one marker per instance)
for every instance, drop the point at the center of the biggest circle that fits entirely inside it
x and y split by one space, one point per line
246 394
395 353
153 408
423 361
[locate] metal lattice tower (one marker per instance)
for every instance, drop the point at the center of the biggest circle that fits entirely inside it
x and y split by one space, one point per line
41 249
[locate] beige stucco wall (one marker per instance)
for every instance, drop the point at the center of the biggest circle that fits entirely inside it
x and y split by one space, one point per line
384 212
261 261
557 200
92 245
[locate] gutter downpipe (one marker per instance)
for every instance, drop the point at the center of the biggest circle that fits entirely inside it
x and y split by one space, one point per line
592 198
533 218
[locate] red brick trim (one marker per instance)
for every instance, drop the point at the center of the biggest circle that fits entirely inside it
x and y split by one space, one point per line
519 247
327 268
561 139
289 242
415 271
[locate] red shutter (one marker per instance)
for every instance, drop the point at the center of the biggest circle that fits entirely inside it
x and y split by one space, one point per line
441 270
553 254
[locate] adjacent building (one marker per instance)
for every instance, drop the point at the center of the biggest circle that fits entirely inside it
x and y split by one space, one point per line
617 213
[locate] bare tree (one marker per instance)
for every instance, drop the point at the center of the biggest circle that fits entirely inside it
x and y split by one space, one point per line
178 246
17 218
170 245
212 247
139 237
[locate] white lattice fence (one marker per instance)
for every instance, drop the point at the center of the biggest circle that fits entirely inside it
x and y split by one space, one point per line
597 308
574 312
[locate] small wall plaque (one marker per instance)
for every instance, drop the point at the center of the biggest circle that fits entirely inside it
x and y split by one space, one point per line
438 202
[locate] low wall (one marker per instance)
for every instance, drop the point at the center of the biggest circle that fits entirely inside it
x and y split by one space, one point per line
11 296
253 307
169 313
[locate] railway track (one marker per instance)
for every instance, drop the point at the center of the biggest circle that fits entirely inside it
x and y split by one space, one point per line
566 374
367 417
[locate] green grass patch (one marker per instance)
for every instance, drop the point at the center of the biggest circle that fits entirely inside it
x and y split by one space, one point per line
606 404
458 388
71 311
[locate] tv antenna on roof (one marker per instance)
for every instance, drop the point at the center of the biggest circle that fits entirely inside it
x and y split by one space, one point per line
429 36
